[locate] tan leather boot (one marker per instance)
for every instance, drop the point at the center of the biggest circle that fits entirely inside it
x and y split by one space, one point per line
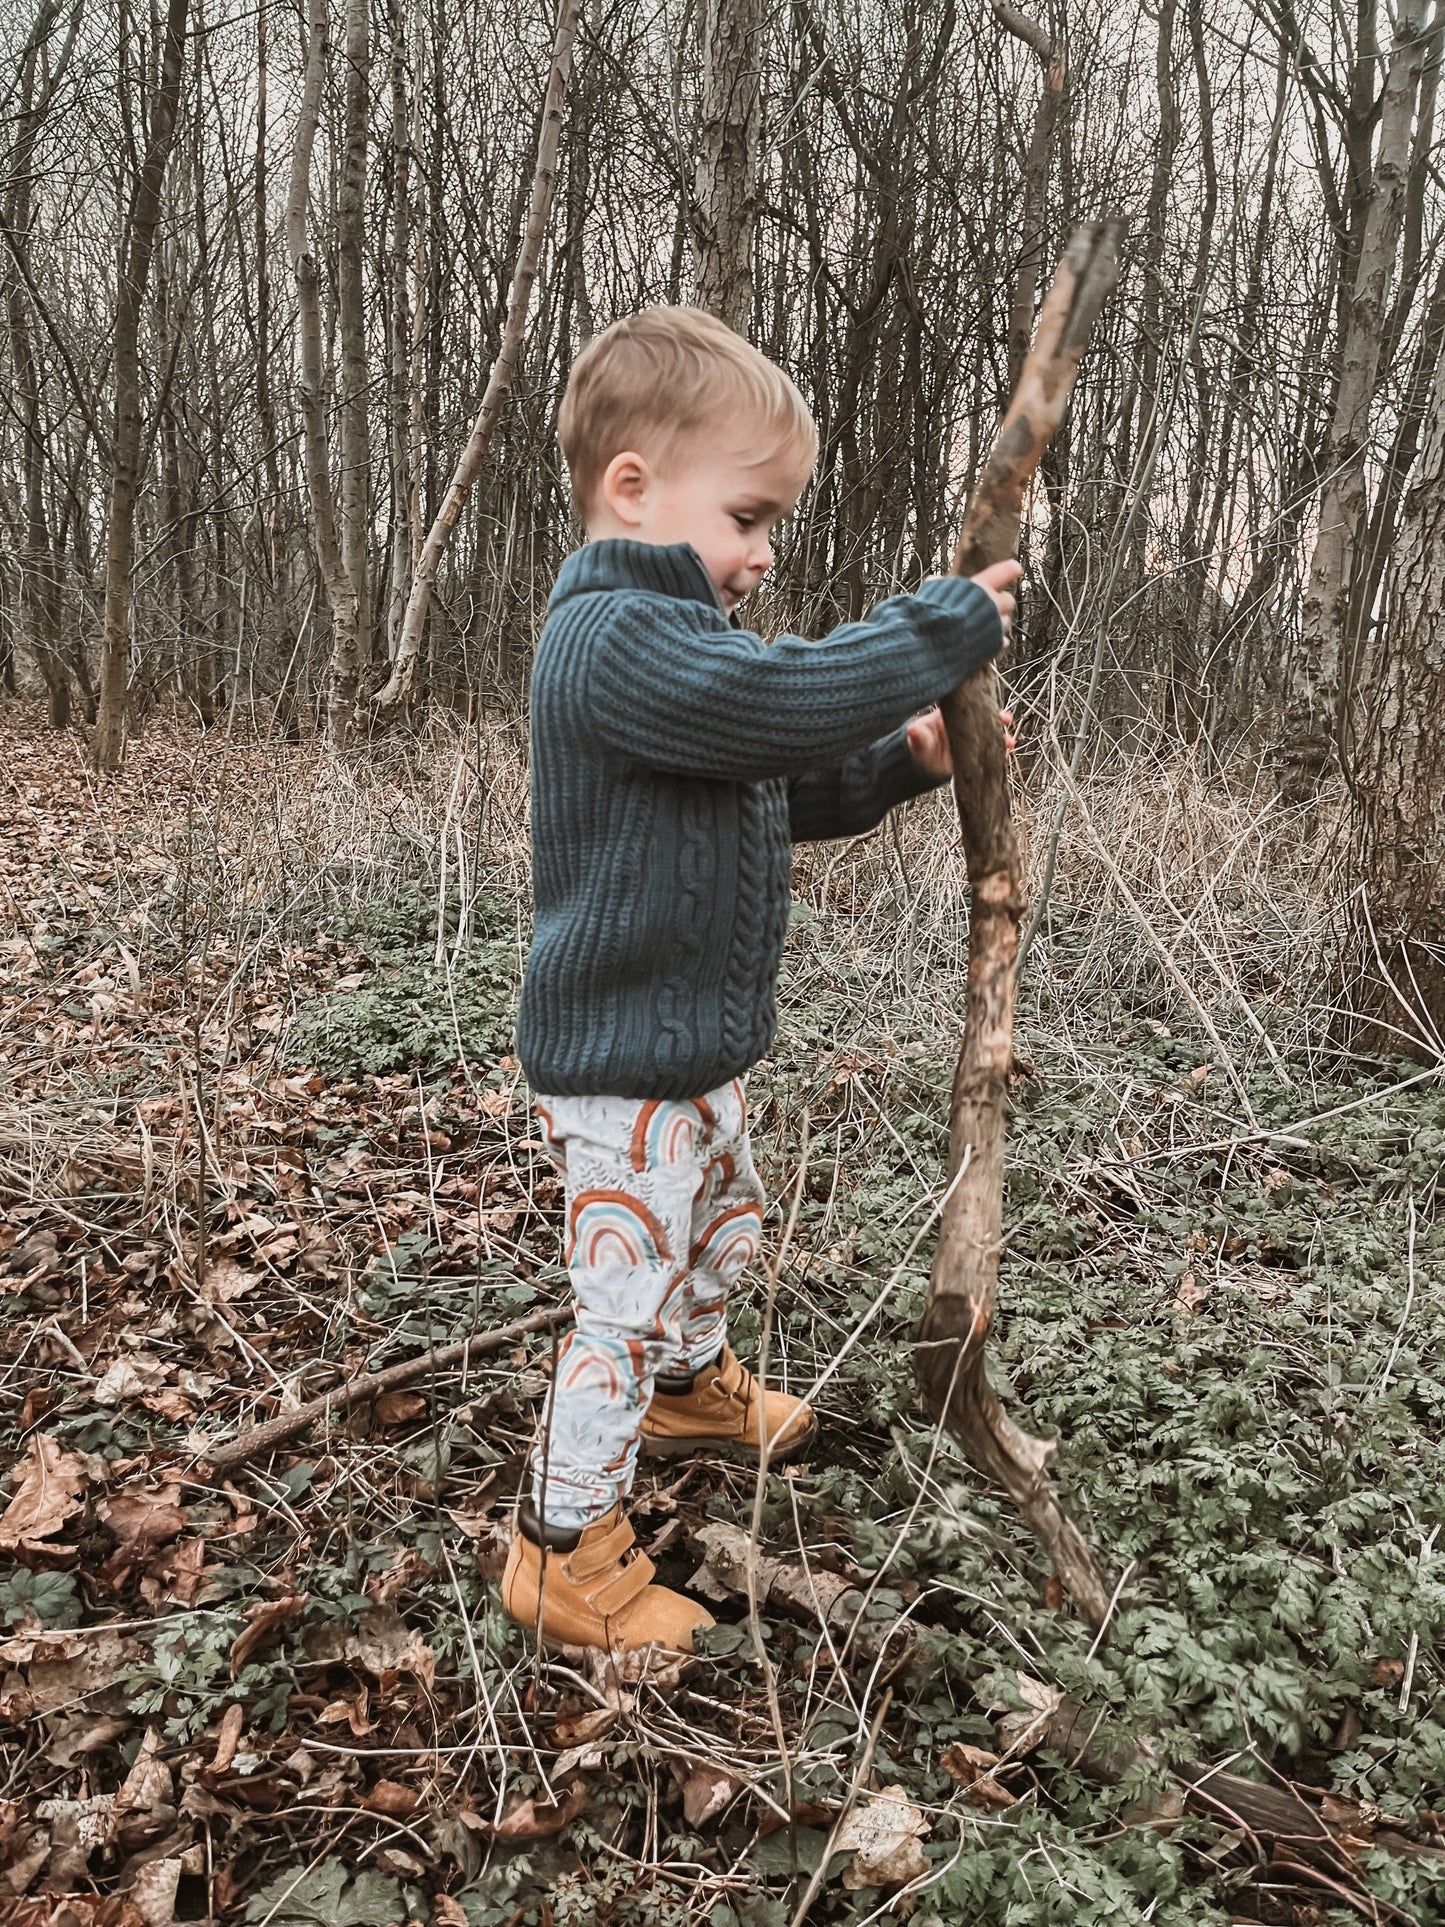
595 1590
725 1405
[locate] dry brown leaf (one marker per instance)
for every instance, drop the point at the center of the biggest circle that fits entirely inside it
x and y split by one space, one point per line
148 1785
392 1798
397 1408
153 1891
171 1404
1021 1732
447 1912
385 1644
705 1793
64 1668
883 1836
266 1621
128 1377
226 1280
529 1819
141 1520
77 1738
228 1737
46 1492
350 1713
176 1576
582 1728
811 1590
972 1768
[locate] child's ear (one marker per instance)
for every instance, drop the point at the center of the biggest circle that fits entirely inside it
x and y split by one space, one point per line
624 485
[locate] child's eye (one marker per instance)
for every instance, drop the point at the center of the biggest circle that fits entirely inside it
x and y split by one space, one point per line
744 521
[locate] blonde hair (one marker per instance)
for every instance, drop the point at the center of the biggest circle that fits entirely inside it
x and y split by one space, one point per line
653 380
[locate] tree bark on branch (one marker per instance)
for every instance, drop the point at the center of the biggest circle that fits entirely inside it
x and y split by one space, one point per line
950 1361
403 670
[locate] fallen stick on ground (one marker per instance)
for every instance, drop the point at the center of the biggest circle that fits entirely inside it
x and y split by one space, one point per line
950 1355
369 1385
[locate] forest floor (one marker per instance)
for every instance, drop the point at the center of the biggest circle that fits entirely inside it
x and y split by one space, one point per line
260 1130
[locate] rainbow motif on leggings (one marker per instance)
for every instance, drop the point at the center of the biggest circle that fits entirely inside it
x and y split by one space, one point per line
611 1228
730 1242
670 1131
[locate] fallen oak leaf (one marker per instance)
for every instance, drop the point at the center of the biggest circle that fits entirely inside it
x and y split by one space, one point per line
46 1492
706 1791
531 1819
266 1621
397 1408
883 1837
582 1728
390 1797
971 1767
142 1520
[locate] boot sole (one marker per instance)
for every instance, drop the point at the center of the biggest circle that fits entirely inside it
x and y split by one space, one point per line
669 1448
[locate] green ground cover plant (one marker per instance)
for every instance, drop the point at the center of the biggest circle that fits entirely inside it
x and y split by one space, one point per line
1220 1293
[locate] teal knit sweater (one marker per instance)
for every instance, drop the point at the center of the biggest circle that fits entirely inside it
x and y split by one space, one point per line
675 760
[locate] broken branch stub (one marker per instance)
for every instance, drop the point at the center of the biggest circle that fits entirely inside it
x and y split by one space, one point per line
950 1355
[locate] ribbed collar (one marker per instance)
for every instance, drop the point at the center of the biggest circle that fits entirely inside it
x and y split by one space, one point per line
674 570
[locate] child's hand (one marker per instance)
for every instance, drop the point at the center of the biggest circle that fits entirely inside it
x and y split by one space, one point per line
998 582
928 742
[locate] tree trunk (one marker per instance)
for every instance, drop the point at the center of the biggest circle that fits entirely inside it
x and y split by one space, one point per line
500 380
351 318
964 1284
725 209
400 357
343 674
1399 774
137 246
1036 180
39 574
1312 698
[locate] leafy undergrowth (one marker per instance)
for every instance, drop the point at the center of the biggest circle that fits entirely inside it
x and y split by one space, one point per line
260 1131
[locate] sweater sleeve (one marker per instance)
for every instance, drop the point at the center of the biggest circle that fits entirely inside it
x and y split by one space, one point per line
858 794
721 702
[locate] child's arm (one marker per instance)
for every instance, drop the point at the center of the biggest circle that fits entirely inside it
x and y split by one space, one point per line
721 702
854 797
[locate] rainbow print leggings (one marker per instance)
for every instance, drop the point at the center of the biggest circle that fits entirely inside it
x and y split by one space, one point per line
664 1212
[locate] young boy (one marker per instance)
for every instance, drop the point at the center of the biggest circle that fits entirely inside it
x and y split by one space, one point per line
675 760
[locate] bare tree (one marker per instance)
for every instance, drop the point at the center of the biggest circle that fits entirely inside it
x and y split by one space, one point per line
344 673
1054 61
1399 761
137 247
352 410
725 201
1310 716
523 276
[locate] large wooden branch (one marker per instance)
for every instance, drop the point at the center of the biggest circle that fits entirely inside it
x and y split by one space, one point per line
224 1459
950 1357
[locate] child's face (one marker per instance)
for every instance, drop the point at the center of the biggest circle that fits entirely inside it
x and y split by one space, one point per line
725 504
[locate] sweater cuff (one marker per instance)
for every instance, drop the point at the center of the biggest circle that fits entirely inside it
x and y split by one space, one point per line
897 773
972 609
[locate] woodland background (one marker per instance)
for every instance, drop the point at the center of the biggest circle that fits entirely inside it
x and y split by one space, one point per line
265 882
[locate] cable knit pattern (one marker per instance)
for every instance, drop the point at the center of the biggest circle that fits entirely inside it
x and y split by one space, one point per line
675 760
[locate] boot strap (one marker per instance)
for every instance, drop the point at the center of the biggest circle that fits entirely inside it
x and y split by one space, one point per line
597 1555
624 1586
